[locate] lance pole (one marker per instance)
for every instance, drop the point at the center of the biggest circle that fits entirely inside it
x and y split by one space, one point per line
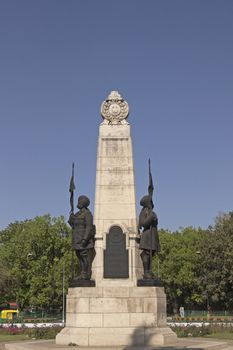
150 194
71 190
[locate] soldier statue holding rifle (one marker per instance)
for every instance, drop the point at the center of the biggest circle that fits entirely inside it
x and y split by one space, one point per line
83 232
148 222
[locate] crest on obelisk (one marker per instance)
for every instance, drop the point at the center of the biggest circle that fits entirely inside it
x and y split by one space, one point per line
114 109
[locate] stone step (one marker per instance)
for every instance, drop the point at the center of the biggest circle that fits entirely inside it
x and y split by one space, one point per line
182 344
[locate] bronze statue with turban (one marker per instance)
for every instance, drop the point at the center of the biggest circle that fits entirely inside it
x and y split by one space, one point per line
149 240
83 234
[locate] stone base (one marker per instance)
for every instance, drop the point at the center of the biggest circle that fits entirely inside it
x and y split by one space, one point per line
82 283
181 344
155 282
116 316
127 336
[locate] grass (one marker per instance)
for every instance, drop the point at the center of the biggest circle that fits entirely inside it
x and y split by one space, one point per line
221 335
16 334
10 337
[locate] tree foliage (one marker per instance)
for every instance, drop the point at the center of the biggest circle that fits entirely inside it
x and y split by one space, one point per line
32 256
195 265
178 261
216 271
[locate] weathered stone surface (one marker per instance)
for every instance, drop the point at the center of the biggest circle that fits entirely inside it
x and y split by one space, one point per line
77 305
161 312
150 305
134 305
115 202
114 292
116 316
73 335
143 319
110 305
182 343
85 292
84 320
147 292
159 336
116 320
116 336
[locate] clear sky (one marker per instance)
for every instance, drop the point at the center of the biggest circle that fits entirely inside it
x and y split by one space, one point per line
172 60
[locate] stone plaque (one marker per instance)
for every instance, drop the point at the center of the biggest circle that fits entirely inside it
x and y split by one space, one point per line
116 256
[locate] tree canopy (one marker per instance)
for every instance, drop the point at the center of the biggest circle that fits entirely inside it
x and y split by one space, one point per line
178 261
195 265
32 256
216 271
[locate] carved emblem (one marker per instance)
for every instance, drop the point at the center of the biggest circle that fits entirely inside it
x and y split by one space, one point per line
114 109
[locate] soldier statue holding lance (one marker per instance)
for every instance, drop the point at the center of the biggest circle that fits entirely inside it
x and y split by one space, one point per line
83 232
148 222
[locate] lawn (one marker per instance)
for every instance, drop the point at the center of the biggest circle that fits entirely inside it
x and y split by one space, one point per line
15 337
221 335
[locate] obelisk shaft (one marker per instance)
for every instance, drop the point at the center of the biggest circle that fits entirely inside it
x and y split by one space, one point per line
115 202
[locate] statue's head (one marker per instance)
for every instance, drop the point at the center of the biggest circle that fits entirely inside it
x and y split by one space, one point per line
146 202
83 202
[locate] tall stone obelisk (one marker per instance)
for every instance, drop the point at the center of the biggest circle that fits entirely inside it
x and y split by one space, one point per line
115 202
115 312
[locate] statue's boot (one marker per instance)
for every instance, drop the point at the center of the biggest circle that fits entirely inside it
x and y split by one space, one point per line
84 264
148 275
80 277
81 262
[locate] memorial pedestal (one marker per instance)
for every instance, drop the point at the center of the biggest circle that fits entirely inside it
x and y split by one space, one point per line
111 316
123 309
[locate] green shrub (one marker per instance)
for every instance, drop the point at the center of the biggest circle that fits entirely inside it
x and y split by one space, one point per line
43 332
12 330
191 331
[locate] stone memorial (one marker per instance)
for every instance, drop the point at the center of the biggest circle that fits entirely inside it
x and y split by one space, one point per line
118 309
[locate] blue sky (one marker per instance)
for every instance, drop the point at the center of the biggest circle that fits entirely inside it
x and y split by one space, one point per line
172 60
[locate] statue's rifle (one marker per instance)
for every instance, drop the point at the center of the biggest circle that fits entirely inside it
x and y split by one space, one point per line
150 195
71 190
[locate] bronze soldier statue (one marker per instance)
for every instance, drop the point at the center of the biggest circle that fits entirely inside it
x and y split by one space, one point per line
83 234
148 222
149 240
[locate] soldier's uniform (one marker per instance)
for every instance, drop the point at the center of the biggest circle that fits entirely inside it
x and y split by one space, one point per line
83 229
148 221
82 225
149 240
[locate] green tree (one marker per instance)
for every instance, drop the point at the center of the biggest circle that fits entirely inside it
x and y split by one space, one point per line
216 272
32 256
179 265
